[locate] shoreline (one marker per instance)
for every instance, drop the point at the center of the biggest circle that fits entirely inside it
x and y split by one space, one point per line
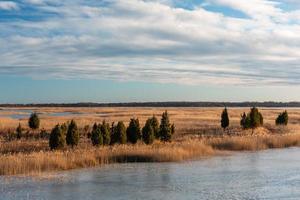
38 162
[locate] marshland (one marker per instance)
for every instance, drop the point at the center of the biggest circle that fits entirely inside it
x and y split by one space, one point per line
197 135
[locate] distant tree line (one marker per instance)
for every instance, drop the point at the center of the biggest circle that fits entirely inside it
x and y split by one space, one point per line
162 104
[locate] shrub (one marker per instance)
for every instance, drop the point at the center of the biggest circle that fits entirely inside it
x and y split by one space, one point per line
148 134
34 121
19 131
119 133
165 129
105 133
282 118
96 136
224 119
72 134
133 131
57 138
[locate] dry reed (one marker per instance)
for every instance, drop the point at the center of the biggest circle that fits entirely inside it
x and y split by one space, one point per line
36 162
252 143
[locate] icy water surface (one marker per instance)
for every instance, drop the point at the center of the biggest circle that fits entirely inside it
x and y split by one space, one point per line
271 174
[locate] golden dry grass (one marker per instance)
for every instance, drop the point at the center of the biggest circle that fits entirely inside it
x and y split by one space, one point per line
36 162
88 156
23 146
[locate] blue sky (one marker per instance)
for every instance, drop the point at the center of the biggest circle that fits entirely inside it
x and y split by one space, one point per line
149 50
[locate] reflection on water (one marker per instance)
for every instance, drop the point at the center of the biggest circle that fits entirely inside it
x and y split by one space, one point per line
271 174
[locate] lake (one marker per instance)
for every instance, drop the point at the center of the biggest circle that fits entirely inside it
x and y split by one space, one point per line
270 174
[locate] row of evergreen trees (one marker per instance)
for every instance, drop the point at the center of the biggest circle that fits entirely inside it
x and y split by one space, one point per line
104 134
253 119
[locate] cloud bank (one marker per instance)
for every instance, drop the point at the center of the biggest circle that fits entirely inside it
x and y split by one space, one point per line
153 40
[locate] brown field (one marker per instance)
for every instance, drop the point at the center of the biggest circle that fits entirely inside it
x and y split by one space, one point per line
198 134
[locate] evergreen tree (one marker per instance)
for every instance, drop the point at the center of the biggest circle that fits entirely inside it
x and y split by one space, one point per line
148 132
34 121
173 129
96 136
113 136
261 119
155 125
243 121
105 133
252 120
165 130
120 133
286 117
95 126
255 118
72 137
248 122
282 118
57 138
64 129
224 119
133 131
19 131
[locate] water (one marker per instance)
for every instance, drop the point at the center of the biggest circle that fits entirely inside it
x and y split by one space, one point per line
25 113
271 174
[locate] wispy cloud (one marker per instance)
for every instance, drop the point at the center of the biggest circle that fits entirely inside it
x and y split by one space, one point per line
8 5
157 41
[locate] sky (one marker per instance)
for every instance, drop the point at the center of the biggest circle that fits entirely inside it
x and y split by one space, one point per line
54 51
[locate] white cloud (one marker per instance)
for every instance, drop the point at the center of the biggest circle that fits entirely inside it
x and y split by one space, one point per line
154 41
37 2
8 5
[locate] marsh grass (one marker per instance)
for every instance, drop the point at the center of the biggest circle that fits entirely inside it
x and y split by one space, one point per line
253 143
37 162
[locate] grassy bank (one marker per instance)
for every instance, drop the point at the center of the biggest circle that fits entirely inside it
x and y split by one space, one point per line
36 160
